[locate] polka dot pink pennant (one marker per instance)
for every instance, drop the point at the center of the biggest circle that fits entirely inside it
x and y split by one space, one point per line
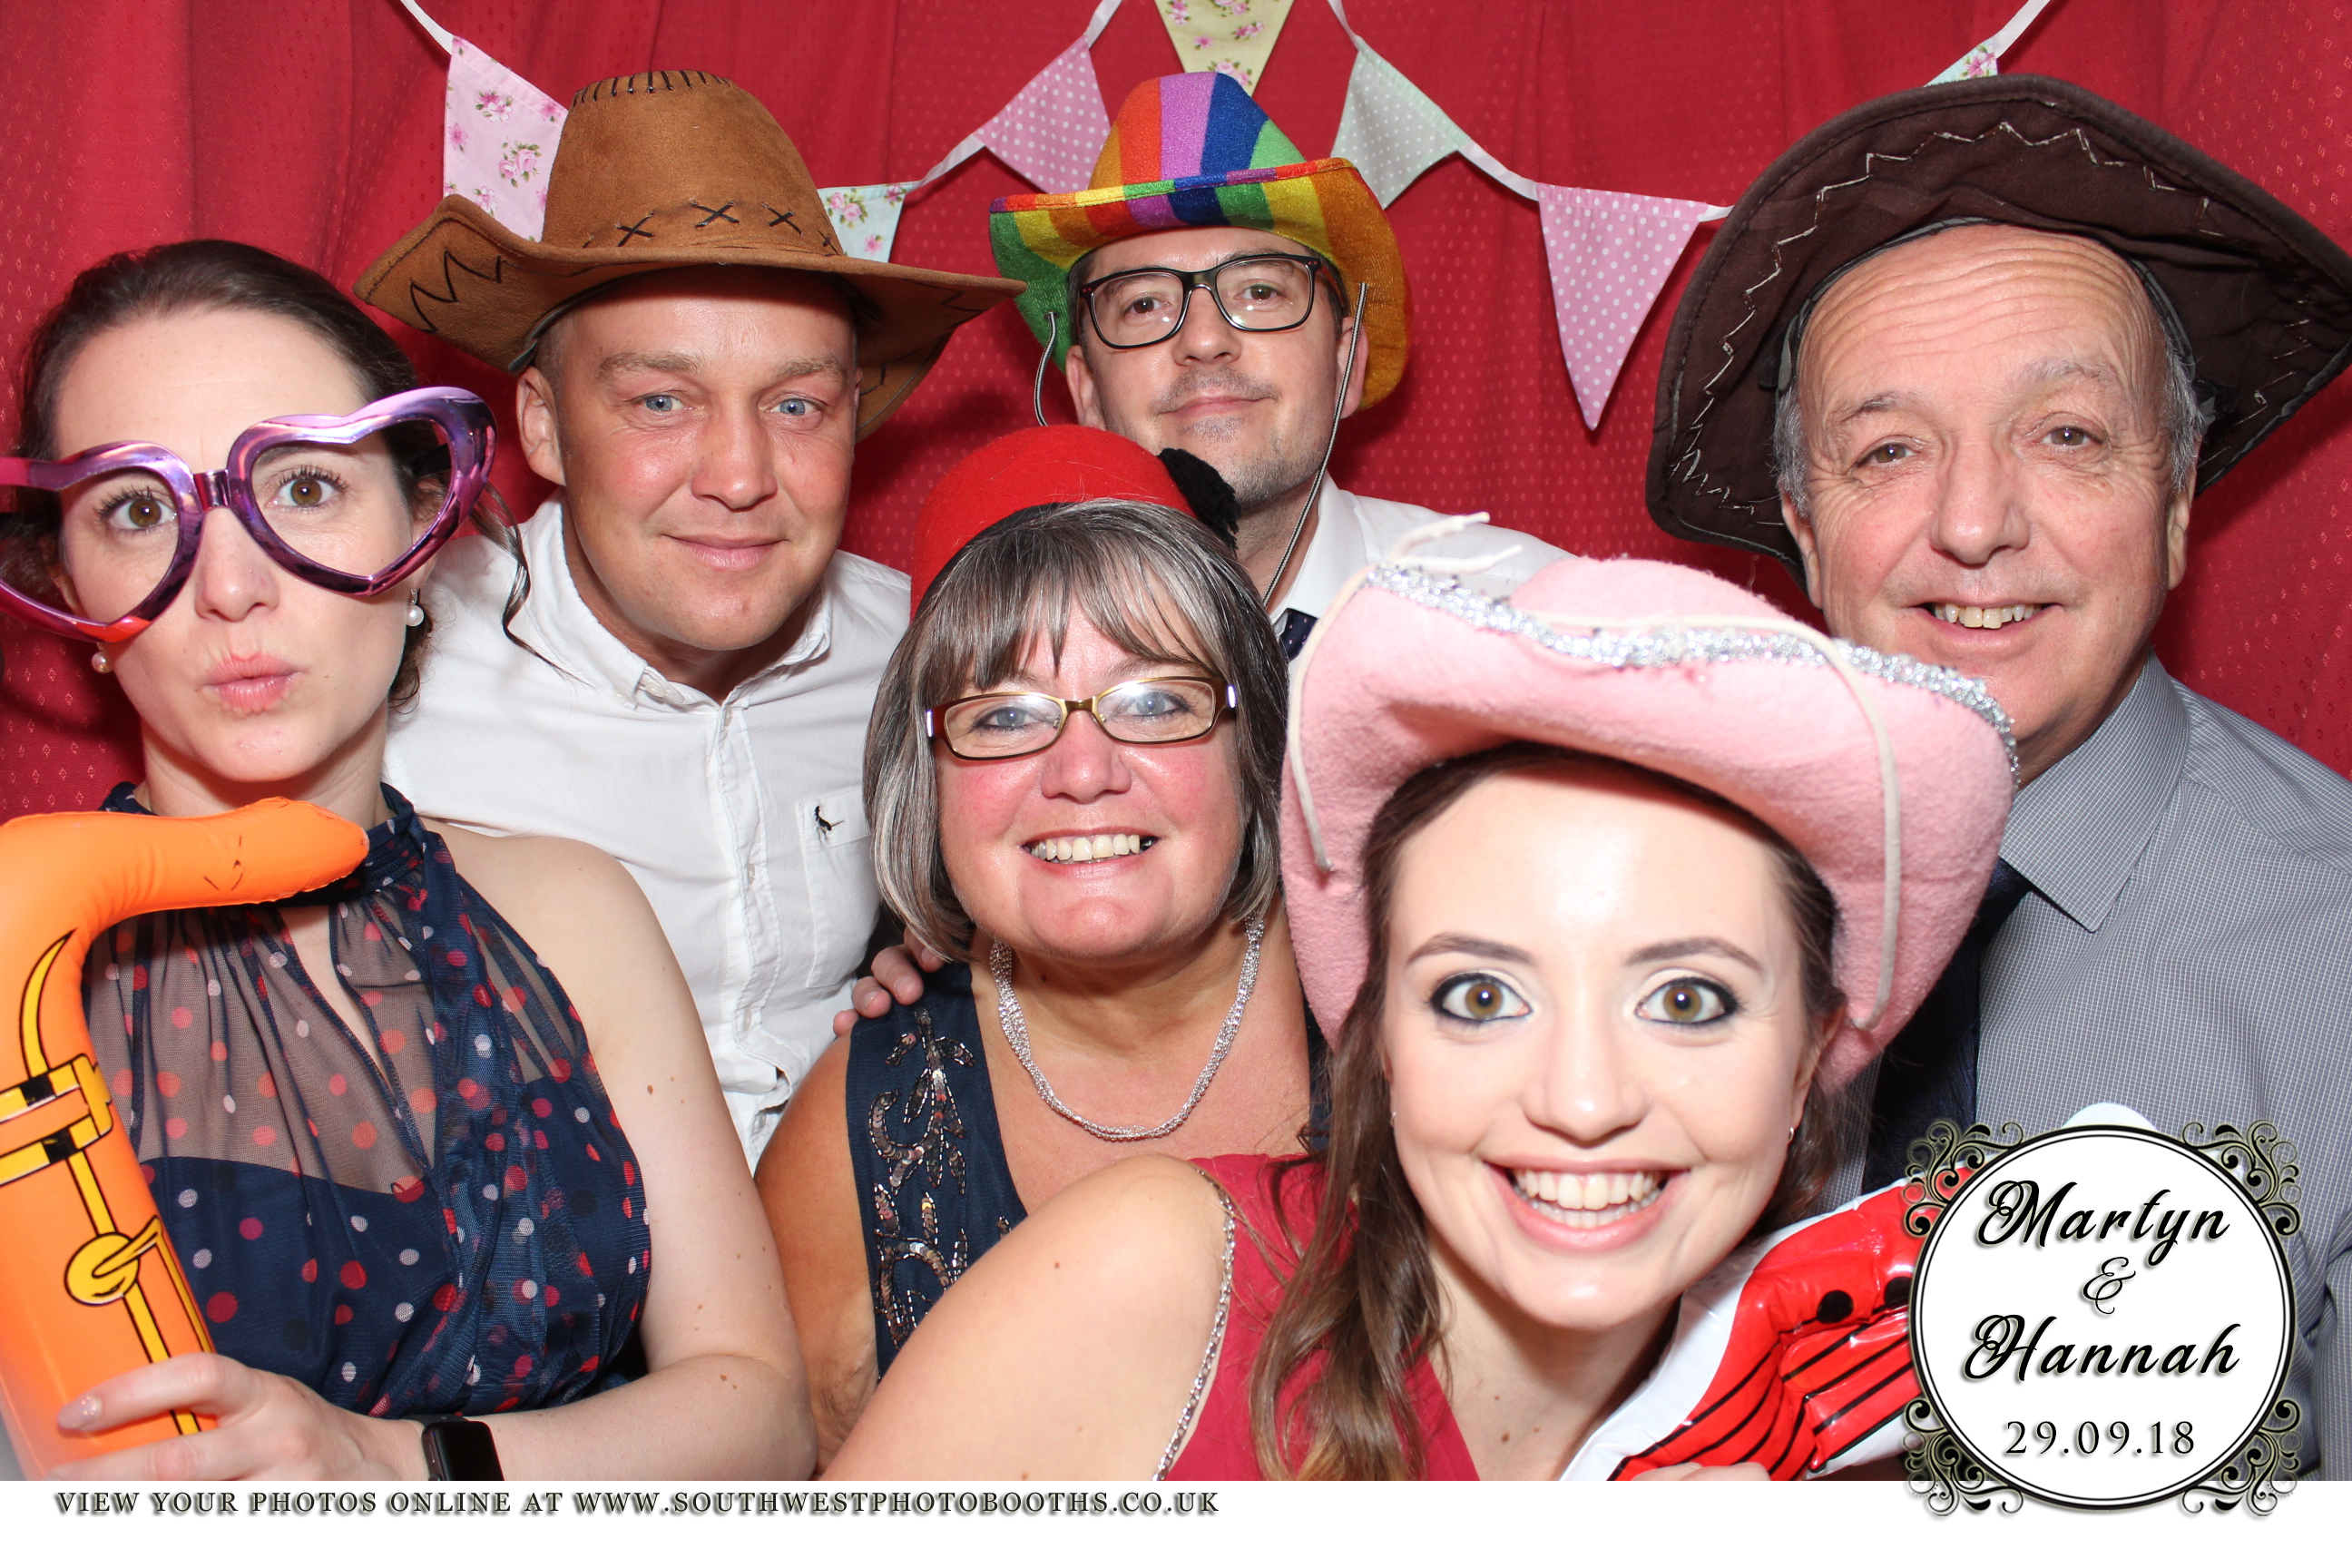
1609 255
1053 128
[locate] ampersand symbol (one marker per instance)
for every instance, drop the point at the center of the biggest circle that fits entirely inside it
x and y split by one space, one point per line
2102 1287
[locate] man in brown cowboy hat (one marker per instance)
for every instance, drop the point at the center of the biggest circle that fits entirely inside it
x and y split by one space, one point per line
691 661
1962 358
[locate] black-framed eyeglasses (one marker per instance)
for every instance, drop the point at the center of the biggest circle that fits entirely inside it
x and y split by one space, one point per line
1271 292
996 725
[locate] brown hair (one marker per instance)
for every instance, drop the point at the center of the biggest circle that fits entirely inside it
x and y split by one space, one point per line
1154 581
192 276
1330 1392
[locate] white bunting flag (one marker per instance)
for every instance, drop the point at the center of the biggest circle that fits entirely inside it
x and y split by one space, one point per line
1390 129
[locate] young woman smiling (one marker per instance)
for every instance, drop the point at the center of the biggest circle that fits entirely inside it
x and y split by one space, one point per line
1603 910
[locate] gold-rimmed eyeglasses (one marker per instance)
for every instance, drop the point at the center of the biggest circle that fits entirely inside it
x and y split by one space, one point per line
996 725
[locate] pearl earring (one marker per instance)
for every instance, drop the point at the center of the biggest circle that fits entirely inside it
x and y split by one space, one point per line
98 662
415 612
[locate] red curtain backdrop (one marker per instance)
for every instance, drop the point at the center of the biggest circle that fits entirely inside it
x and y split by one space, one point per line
313 128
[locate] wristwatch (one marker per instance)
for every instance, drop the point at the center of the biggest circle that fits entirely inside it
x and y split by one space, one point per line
457 1449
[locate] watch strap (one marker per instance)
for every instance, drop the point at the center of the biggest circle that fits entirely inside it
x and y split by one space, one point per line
458 1449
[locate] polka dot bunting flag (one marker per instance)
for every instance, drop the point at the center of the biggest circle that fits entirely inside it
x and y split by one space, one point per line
1390 129
1053 127
1609 255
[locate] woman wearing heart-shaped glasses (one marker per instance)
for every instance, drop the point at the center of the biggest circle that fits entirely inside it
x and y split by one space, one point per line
382 1150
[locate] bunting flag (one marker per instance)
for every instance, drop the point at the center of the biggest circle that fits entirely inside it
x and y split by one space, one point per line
1052 130
1230 36
1390 129
1609 255
1610 252
866 217
1985 59
1049 134
497 137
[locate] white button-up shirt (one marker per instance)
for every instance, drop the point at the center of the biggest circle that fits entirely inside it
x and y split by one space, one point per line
1353 531
742 818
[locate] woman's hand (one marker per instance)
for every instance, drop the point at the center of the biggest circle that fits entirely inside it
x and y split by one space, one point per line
270 1429
1698 1472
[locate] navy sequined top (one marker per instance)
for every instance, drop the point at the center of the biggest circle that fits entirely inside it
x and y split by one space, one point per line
444 1217
934 1188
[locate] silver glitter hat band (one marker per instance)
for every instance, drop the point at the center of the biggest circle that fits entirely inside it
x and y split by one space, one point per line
1658 643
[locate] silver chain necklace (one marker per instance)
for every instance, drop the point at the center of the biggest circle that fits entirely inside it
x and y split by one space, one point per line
1016 1035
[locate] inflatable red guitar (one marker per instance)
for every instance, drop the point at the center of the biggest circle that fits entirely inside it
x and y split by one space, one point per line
89 1285
1794 1355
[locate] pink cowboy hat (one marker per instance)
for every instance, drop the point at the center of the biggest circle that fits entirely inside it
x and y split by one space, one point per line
1893 778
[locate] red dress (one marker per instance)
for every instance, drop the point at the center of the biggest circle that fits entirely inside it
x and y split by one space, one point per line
1220 1448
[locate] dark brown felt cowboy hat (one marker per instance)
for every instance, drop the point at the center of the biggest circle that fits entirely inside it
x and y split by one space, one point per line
661 170
2263 299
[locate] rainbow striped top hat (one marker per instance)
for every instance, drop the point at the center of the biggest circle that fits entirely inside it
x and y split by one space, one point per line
1195 150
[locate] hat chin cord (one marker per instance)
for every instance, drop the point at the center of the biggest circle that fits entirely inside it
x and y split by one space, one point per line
1038 386
1331 439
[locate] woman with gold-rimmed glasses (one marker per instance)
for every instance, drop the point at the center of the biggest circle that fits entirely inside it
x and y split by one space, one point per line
1073 775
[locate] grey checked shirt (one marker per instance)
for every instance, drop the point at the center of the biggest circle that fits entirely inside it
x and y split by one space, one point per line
2184 951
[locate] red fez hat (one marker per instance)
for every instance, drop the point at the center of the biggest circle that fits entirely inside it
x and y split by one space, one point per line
1046 465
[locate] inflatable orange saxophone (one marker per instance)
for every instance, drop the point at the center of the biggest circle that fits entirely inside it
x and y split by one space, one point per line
89 1285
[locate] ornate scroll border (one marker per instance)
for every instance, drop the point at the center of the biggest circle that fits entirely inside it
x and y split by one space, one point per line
2262 1162
1942 1472
2257 1475
1942 1159
2267 1166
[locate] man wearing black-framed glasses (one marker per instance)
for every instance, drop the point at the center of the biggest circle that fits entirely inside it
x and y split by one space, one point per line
1203 296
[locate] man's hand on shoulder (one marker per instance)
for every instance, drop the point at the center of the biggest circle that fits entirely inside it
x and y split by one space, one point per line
898 977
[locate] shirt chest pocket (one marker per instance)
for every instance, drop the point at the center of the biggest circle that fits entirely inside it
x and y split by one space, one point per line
838 849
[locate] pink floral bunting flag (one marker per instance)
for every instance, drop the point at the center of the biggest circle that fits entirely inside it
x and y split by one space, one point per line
1053 128
498 136
1609 255
1230 36
866 217
1985 59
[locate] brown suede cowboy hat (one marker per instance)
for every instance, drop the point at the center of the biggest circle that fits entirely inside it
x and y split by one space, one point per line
2260 299
661 170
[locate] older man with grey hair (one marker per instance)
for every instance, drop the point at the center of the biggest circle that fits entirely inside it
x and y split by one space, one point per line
1962 358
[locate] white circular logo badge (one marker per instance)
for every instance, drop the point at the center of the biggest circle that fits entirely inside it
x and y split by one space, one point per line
2102 1316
